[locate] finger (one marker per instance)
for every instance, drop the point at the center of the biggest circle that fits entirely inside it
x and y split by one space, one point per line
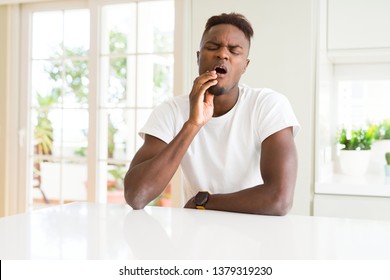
205 77
209 98
203 89
209 75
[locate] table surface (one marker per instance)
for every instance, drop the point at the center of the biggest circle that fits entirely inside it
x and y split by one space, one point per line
111 231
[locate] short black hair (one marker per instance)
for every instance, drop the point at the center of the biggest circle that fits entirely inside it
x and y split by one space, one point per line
238 20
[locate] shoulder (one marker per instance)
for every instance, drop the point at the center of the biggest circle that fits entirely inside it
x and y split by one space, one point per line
261 96
174 104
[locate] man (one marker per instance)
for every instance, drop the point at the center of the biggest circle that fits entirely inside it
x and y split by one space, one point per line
235 144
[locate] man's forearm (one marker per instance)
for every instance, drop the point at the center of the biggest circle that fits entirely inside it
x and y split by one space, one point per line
146 179
262 199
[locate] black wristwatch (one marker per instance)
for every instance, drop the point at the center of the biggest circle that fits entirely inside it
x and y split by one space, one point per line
201 199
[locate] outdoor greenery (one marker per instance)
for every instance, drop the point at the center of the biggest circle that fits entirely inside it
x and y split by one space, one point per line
362 139
381 131
75 75
384 129
43 132
358 139
387 156
118 174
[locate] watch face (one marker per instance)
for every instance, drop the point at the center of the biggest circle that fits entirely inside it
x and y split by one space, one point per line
201 198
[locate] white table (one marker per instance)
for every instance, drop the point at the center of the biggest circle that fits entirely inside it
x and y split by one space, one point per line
99 231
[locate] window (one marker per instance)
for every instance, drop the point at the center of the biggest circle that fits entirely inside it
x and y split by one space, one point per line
136 62
353 98
362 90
88 96
59 104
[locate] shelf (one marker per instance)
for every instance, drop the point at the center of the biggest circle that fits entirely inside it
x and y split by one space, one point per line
365 185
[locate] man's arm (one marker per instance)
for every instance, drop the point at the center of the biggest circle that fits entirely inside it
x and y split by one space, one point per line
154 165
278 167
156 162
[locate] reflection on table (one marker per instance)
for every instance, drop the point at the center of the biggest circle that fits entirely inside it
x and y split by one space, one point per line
104 231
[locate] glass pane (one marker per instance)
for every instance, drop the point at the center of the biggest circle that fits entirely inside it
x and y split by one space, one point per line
75 133
131 133
155 79
55 117
115 187
76 77
43 131
118 134
118 74
50 172
46 83
57 182
155 26
76 31
361 102
38 195
119 28
43 44
74 181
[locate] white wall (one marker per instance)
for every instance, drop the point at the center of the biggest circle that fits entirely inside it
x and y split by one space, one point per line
282 58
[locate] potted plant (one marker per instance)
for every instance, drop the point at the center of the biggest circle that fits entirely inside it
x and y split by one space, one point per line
380 145
387 166
355 150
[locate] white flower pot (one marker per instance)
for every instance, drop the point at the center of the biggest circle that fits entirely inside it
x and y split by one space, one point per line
354 163
378 150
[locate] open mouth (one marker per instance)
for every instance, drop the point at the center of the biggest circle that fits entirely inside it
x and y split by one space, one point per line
221 70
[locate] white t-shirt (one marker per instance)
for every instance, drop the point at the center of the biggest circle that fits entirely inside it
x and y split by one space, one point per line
224 156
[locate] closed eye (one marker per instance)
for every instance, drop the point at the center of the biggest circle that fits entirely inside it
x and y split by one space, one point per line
212 47
235 50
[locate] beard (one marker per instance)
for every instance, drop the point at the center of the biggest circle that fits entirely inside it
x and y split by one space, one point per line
216 90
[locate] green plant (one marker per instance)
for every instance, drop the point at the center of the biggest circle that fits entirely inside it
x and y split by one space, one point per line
385 129
43 131
374 129
387 156
112 130
358 139
380 131
118 174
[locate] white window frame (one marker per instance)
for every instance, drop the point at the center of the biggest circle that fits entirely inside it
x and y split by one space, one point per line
181 74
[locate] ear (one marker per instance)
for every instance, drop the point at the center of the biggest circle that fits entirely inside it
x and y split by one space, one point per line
247 63
197 57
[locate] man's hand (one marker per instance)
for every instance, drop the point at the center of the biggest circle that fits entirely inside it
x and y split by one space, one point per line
191 203
201 101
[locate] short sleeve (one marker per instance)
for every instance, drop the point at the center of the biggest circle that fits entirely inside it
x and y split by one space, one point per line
273 113
161 123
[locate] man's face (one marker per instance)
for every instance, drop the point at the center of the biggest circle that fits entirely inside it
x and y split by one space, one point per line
224 48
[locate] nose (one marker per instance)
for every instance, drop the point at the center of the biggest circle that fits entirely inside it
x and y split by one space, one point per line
223 53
